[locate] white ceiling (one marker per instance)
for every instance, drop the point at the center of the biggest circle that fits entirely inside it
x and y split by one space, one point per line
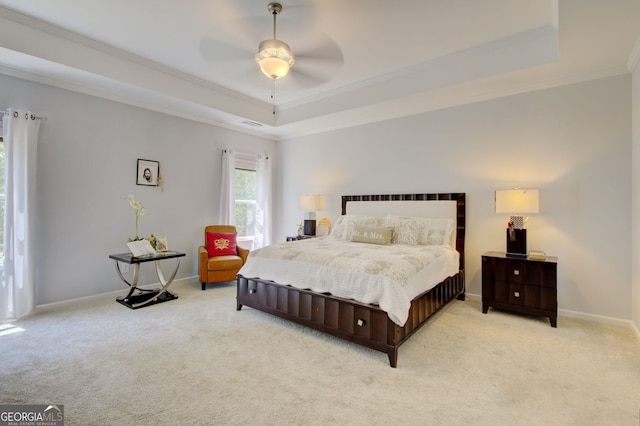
357 61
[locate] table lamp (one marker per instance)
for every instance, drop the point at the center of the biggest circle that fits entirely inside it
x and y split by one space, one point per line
310 203
516 202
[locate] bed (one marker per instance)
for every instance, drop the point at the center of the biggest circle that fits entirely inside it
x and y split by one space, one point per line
264 285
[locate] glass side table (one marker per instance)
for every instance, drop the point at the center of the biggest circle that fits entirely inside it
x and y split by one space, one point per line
146 297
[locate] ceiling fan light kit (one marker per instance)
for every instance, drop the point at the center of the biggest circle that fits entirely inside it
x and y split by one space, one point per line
274 56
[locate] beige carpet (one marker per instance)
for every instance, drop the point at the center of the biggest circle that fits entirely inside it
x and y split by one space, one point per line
197 361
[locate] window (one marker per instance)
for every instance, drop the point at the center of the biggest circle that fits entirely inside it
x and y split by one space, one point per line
246 190
2 192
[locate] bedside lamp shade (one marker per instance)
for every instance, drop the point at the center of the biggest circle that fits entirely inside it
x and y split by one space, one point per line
310 203
515 202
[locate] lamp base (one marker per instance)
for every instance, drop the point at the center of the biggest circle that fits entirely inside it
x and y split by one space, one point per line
309 227
517 242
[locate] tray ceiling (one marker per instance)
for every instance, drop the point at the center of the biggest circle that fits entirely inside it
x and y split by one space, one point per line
357 61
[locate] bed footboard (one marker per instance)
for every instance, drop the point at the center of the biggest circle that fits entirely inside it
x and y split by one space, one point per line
366 325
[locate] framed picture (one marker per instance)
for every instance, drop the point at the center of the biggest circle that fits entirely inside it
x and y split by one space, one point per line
147 173
161 244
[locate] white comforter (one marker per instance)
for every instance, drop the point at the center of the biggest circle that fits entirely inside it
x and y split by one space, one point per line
386 275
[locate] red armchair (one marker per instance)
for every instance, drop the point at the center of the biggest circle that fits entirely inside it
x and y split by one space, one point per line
223 268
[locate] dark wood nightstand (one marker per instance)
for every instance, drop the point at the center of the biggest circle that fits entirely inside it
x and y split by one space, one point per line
300 237
520 285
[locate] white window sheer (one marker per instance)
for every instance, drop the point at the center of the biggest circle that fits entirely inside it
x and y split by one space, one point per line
262 235
20 135
228 188
262 219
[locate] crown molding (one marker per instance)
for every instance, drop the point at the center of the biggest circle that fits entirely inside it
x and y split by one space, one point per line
428 104
55 31
546 36
127 100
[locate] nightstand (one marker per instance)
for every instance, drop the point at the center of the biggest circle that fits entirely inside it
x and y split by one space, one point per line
520 285
300 237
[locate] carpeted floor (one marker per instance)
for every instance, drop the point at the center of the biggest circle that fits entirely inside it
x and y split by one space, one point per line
198 361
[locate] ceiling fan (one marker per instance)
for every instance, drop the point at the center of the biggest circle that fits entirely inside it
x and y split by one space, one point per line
274 56
314 60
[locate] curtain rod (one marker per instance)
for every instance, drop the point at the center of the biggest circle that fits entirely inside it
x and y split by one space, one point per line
248 154
38 117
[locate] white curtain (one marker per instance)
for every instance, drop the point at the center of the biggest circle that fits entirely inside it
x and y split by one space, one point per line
228 188
20 134
262 231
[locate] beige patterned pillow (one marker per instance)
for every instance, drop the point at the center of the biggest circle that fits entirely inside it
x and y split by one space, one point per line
439 233
372 234
408 230
343 228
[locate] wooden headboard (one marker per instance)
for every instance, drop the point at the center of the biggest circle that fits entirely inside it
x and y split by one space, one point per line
455 197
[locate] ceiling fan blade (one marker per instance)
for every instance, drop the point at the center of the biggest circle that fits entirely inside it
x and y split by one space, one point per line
315 65
321 51
301 78
213 50
250 29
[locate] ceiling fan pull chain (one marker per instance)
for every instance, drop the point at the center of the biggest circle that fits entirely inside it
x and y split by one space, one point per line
273 95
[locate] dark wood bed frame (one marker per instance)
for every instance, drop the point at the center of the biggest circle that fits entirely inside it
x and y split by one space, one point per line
360 323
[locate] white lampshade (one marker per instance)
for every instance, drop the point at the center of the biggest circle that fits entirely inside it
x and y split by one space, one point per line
311 202
517 201
274 58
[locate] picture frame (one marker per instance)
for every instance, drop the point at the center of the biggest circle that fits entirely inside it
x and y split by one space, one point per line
147 172
161 244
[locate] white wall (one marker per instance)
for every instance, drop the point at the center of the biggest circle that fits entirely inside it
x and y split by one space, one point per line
571 142
87 153
635 290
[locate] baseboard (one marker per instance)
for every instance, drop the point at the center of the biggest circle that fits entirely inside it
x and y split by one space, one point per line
469 296
584 316
635 331
595 318
115 293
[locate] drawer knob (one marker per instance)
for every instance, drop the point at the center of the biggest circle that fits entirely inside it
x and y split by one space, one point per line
252 290
516 293
516 272
360 322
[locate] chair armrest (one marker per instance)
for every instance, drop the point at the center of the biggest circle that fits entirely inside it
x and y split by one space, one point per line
243 253
203 257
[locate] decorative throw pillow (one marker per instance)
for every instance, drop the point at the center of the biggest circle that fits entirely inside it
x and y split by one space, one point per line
338 228
343 227
221 243
435 237
372 234
408 230
440 232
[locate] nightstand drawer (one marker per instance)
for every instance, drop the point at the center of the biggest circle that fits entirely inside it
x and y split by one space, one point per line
502 292
540 297
541 273
511 270
516 294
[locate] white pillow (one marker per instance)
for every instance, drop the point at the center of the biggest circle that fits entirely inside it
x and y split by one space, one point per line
344 226
420 230
440 232
408 230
